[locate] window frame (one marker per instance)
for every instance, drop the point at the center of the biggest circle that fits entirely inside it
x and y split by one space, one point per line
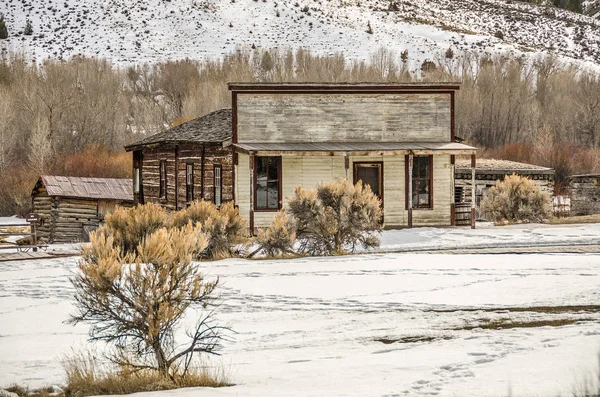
163 181
189 187
220 168
429 179
255 179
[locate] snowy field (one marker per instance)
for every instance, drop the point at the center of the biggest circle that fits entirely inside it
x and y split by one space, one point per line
385 324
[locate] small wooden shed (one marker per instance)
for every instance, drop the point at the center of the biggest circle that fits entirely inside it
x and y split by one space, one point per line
489 171
71 207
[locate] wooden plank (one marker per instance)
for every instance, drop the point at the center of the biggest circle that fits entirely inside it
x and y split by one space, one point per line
388 117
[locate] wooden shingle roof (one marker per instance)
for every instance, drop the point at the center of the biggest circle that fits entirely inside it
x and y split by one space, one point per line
214 127
88 188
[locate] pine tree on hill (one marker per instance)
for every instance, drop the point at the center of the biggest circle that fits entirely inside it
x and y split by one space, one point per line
3 28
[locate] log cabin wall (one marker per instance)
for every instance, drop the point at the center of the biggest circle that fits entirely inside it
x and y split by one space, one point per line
45 207
71 215
223 156
314 117
585 194
181 155
152 156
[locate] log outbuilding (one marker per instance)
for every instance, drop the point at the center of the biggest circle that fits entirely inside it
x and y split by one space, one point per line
489 171
585 194
71 207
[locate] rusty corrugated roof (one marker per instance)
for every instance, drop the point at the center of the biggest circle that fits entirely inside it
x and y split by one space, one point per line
91 188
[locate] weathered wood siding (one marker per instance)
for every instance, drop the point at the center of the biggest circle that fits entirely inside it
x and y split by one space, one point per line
242 186
389 117
151 175
203 176
62 220
308 171
44 206
585 195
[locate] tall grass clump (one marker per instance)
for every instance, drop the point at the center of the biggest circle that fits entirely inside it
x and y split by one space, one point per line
87 376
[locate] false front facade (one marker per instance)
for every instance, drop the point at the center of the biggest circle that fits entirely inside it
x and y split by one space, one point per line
397 138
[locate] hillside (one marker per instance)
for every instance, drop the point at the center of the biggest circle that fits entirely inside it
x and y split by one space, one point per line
135 31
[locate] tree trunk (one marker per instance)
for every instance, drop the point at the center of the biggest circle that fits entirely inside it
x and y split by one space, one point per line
161 361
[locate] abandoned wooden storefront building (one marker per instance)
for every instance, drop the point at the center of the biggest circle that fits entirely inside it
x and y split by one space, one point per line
398 138
191 161
71 207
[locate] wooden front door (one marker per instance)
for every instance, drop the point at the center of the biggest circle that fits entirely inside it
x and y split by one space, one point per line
370 174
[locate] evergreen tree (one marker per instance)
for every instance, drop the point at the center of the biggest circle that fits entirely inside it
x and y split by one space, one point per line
3 28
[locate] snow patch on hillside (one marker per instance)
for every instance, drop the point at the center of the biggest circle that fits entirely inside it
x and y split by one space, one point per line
134 31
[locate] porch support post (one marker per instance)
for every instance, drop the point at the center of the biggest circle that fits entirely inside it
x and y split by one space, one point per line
251 165
410 200
452 192
346 163
473 165
176 177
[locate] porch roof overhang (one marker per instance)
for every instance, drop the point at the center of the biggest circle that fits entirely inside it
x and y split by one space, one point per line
353 148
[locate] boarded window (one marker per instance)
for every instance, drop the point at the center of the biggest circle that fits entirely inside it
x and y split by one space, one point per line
163 180
267 183
189 182
218 184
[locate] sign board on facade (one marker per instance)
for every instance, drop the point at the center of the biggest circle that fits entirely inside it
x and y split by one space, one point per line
31 217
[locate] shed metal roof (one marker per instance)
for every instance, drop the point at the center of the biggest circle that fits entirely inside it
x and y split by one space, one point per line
343 147
214 127
89 188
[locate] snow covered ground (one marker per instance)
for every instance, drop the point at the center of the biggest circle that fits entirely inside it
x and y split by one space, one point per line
132 31
317 326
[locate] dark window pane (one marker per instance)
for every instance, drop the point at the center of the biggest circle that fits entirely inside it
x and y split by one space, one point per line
273 168
420 167
261 167
261 194
273 195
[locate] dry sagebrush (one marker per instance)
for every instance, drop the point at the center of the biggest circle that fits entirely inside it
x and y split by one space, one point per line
335 217
279 238
516 199
129 226
134 301
224 227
